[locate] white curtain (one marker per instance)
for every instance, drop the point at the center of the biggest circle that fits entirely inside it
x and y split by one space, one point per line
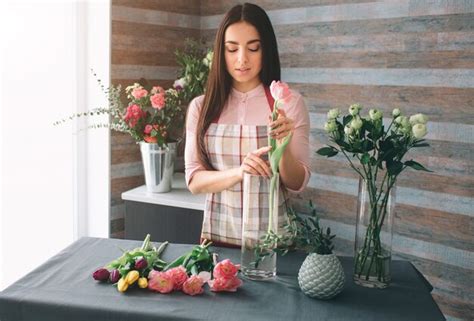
53 179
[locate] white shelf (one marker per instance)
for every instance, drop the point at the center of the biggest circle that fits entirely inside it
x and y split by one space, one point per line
179 196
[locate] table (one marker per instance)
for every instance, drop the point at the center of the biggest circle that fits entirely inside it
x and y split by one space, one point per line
63 289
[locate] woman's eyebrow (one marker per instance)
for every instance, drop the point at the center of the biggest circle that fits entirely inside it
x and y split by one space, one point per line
248 42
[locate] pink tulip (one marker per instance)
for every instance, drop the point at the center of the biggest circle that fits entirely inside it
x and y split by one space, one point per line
178 275
193 285
139 92
158 101
280 91
225 269
224 284
160 282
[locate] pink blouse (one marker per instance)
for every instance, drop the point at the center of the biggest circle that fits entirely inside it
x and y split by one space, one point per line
251 108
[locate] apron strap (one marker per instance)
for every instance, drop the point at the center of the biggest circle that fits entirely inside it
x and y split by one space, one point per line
270 101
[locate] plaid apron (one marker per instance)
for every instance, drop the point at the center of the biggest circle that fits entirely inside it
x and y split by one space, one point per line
227 147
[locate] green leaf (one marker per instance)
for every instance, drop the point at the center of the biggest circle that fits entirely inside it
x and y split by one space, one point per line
417 166
327 151
278 153
365 159
346 119
394 168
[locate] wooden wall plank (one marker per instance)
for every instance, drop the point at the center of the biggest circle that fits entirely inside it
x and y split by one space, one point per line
178 6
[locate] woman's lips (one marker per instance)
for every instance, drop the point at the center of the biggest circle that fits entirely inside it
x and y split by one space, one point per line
243 70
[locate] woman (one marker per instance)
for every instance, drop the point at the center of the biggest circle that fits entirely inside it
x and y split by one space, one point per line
226 129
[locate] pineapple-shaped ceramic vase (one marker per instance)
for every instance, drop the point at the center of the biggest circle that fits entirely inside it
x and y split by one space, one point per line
321 276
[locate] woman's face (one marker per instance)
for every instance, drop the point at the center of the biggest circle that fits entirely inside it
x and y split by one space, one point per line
243 55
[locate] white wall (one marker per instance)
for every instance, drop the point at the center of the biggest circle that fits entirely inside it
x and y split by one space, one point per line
54 183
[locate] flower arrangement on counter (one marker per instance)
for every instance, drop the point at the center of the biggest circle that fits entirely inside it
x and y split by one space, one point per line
143 267
153 114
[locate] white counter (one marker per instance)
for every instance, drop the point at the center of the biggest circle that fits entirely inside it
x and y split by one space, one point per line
179 196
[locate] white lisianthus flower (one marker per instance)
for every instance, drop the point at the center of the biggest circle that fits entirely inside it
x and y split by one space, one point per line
401 119
356 123
348 130
375 114
180 83
208 59
333 113
419 130
330 126
354 109
396 112
418 119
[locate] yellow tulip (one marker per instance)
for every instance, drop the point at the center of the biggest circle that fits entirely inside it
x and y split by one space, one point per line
143 283
122 285
132 277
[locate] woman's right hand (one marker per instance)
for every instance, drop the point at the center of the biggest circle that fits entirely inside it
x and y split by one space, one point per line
255 165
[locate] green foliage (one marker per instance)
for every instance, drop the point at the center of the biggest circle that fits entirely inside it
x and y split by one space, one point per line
197 260
300 233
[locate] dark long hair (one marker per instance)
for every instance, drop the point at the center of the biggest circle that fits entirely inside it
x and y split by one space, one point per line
219 82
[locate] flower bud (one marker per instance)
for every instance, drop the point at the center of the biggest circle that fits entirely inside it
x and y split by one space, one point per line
333 113
132 277
141 264
101 275
348 130
354 109
356 123
114 276
396 112
143 283
419 130
418 119
375 114
330 126
122 285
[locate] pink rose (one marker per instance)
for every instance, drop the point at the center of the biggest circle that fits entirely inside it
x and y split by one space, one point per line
193 285
158 101
133 114
157 90
139 92
224 284
280 91
160 282
225 269
148 129
178 275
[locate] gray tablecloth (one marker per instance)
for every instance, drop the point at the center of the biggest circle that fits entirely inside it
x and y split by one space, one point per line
62 289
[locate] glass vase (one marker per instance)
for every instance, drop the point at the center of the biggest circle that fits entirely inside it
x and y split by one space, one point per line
373 240
260 215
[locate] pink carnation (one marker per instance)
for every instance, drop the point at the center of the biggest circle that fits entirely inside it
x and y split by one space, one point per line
224 284
225 269
139 92
280 91
178 275
148 129
133 114
193 285
158 101
160 282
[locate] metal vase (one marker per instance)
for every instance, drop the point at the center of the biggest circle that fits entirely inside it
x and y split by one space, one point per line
158 166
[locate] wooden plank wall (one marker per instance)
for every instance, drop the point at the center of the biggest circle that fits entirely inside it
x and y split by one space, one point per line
416 55
145 34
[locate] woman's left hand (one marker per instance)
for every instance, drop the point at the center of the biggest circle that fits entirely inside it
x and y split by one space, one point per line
281 127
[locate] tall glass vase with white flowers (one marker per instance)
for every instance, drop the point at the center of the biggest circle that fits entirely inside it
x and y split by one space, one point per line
376 153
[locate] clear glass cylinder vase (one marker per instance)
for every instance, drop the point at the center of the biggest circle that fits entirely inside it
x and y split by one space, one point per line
373 240
260 215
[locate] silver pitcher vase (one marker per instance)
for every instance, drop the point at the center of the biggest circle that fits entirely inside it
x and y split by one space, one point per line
158 166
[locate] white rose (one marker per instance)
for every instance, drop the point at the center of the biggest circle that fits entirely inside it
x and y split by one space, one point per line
418 119
330 126
333 113
419 130
348 130
354 109
356 123
375 114
396 112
